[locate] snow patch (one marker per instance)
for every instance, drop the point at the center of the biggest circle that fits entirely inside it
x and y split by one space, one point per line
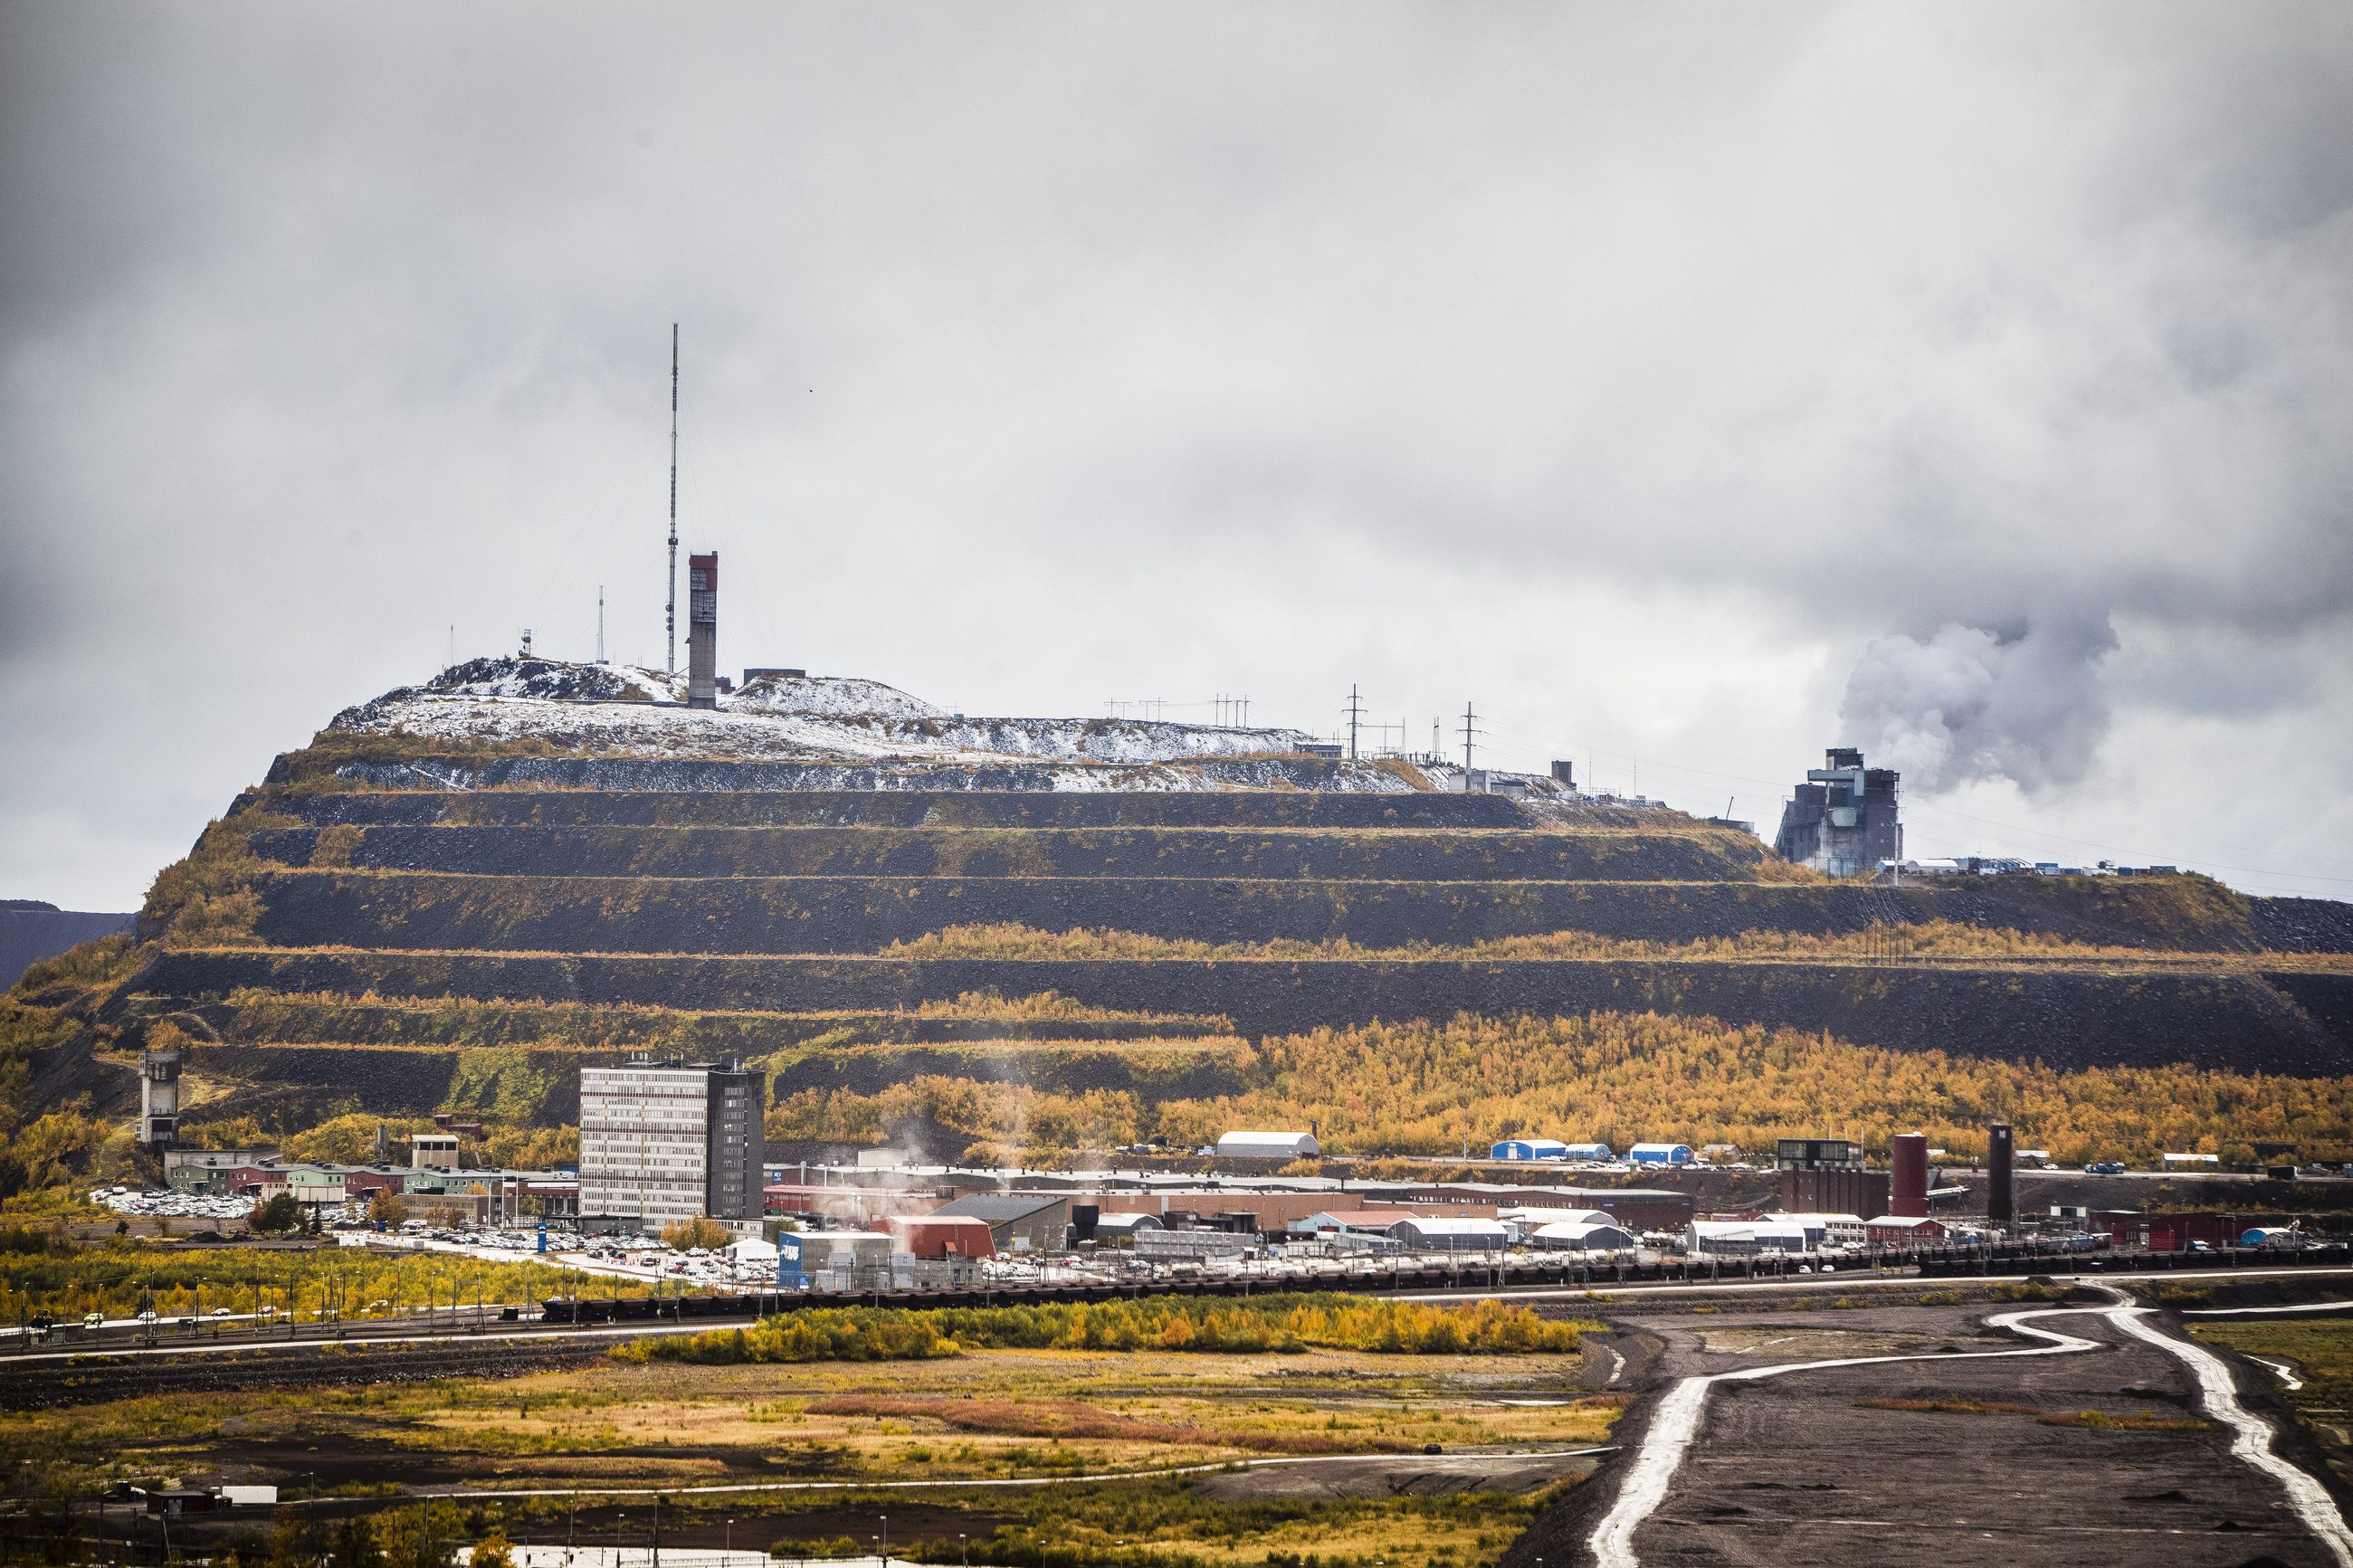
618 710
830 697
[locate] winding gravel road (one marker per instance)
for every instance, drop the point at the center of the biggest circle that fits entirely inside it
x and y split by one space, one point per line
1677 1421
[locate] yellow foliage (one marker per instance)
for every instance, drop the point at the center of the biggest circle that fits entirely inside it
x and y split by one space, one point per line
1006 1113
1428 1089
702 1231
1909 941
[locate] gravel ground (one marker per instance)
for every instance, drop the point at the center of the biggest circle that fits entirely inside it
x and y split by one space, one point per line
353 1364
1794 1470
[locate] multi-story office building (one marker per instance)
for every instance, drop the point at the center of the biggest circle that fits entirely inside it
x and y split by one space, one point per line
662 1142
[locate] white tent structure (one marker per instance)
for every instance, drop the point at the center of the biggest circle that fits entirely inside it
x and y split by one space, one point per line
1268 1146
1582 1235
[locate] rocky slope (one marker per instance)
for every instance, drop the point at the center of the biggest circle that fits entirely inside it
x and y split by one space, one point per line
462 891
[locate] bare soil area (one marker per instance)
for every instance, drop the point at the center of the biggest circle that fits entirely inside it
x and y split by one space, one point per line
1413 1475
2094 1458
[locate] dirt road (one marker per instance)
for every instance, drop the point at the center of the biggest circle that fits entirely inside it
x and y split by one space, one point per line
2086 1434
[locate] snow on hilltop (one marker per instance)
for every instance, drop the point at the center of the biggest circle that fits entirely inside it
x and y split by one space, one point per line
830 697
626 710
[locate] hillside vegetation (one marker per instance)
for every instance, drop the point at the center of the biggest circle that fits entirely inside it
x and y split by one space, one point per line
1014 956
1424 1088
1879 942
1282 1323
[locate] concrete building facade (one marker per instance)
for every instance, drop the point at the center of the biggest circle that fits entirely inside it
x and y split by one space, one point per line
702 630
666 1141
159 1098
1843 819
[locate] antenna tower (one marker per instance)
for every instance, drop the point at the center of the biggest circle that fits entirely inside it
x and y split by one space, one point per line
670 610
600 623
1469 728
1354 710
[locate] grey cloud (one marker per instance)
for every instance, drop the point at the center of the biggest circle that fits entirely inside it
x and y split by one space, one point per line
1965 703
328 327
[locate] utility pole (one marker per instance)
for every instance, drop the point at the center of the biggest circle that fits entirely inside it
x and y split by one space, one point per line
670 612
1355 710
600 623
1469 728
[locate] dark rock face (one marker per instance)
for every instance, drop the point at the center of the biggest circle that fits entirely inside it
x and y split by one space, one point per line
2239 1022
449 929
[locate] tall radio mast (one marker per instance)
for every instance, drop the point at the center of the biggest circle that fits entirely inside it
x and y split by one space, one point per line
670 610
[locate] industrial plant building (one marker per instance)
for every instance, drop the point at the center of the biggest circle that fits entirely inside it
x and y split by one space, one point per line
1843 820
665 1141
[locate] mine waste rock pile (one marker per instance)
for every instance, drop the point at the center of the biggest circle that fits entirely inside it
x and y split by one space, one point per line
460 892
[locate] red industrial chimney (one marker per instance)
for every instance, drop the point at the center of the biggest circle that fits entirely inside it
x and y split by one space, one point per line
1907 1189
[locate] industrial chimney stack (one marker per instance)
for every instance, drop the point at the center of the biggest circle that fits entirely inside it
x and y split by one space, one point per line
1908 1194
702 630
2002 1194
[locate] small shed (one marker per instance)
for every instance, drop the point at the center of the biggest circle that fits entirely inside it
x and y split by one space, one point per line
1903 1230
1268 1146
1530 1149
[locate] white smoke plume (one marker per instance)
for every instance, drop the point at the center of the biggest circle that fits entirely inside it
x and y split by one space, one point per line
2022 702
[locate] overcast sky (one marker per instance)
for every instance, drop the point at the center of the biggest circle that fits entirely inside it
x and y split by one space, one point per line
1691 387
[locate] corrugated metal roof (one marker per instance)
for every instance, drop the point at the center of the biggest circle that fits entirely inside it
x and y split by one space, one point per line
1001 1209
1435 1226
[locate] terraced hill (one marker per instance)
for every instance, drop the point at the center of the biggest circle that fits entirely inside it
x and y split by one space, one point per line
458 894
